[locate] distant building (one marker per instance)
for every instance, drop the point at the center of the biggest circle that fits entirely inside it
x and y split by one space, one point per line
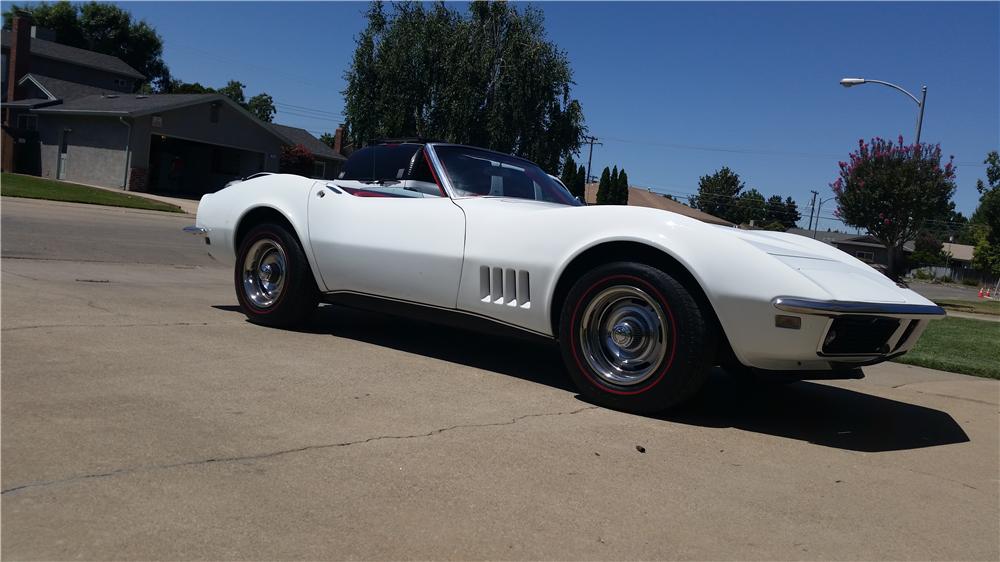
72 114
644 197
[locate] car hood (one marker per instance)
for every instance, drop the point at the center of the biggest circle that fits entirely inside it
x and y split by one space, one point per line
845 277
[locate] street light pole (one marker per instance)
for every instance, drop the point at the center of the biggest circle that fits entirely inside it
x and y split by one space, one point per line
920 119
848 82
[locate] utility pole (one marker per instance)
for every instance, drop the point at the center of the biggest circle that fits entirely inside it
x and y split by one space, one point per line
812 207
592 141
818 211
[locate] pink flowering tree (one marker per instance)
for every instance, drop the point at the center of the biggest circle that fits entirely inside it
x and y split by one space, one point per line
892 190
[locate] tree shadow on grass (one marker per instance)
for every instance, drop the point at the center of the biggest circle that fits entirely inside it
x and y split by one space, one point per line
806 411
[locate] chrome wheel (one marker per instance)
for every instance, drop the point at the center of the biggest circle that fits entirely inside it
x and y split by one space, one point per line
624 335
264 272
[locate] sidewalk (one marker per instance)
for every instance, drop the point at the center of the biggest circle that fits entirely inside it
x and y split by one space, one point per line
973 316
190 206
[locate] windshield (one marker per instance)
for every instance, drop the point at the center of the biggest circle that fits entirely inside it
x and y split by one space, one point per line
475 172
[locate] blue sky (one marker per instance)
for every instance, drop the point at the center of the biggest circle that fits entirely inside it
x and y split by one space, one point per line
674 90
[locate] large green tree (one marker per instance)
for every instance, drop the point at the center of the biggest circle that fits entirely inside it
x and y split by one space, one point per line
260 106
104 28
579 187
781 214
487 76
986 256
613 187
621 195
328 139
751 207
604 187
717 194
892 190
928 250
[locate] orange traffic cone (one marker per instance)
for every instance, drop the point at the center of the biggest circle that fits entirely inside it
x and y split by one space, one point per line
980 292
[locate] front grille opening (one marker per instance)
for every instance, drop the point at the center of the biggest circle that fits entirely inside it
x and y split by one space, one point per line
859 335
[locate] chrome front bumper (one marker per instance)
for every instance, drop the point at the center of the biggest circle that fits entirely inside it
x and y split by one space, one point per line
837 308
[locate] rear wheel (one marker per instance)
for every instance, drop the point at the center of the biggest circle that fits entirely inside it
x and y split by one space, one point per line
274 284
634 339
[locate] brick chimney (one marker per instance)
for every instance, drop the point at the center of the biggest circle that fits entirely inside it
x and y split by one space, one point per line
338 139
20 53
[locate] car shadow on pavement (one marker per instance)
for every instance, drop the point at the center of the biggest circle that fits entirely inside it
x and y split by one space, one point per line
535 360
819 413
806 411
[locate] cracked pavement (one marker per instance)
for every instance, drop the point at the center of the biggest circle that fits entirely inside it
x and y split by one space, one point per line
143 418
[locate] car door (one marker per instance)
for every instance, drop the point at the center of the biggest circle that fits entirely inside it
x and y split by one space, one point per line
380 229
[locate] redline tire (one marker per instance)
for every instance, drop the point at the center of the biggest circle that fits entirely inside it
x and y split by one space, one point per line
634 339
274 284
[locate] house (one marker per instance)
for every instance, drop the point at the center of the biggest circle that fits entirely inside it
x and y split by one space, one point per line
72 114
643 197
830 237
959 263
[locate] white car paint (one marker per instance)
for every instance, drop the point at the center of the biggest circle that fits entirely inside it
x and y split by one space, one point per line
501 258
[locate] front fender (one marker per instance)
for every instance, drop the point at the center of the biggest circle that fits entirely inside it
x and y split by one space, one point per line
222 212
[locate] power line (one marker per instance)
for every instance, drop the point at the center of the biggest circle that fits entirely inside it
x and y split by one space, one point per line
743 150
302 108
216 56
306 115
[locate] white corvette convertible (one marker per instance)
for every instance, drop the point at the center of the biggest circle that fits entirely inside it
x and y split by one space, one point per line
642 302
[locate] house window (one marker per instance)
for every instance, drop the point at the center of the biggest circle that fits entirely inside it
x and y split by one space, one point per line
319 169
27 122
122 83
867 257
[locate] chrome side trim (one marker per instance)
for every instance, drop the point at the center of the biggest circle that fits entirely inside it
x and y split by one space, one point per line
456 311
196 230
837 308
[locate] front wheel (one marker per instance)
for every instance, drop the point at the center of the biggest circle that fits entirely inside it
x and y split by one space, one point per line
274 284
633 338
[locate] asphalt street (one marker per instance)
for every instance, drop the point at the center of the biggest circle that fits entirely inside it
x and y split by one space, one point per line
945 290
144 418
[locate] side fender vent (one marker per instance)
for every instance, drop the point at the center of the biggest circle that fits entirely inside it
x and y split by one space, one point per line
505 286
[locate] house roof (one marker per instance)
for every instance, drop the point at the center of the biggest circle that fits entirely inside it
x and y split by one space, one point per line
306 139
959 252
828 237
57 89
79 57
29 103
644 197
128 105
869 241
137 105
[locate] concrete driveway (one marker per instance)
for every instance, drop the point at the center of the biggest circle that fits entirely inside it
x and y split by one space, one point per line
144 418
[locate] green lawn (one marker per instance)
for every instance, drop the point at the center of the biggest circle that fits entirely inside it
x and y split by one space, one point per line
15 185
982 306
959 345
